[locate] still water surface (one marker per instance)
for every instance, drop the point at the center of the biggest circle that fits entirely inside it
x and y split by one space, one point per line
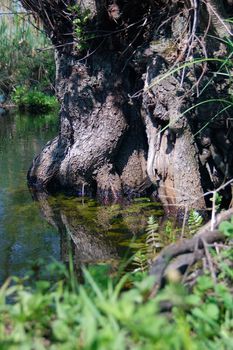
24 234
31 230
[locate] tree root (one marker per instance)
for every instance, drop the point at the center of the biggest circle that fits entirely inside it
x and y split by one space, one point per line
185 253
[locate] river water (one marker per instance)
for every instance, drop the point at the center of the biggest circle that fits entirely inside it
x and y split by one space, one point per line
45 229
24 235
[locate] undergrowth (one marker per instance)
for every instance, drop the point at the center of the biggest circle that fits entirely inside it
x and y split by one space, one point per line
195 221
153 244
33 100
65 314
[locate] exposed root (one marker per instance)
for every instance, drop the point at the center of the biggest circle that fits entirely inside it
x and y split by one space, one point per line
188 251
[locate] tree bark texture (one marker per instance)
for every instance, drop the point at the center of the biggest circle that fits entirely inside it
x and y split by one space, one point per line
126 125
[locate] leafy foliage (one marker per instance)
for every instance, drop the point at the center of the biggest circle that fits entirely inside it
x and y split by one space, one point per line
227 228
24 59
153 239
80 21
64 314
33 100
153 244
140 261
217 200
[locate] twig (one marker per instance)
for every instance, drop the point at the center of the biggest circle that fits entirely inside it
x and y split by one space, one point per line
213 212
208 4
197 255
209 260
184 221
192 37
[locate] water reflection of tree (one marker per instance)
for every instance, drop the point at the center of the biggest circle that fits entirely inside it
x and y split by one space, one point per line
94 234
86 245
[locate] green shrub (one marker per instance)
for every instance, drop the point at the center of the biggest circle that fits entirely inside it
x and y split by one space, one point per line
33 100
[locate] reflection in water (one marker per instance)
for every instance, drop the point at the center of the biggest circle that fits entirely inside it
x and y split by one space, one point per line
95 234
88 247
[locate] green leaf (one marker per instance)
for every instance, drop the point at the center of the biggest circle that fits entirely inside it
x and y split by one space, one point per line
204 283
212 311
226 227
60 330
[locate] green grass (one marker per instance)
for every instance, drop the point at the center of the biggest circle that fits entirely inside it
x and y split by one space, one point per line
117 314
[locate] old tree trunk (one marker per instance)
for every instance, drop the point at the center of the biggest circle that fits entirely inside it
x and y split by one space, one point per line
127 124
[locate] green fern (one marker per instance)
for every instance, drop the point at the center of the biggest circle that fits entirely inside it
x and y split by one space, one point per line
152 245
195 221
153 238
140 261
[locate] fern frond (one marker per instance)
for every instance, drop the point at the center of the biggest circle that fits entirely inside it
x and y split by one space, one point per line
195 221
140 261
153 244
153 239
152 225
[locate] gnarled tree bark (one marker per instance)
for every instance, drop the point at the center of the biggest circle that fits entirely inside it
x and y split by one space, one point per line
122 117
